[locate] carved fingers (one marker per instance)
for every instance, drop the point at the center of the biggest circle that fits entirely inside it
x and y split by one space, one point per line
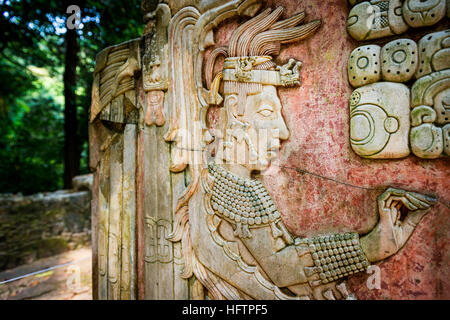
422 202
395 198
400 212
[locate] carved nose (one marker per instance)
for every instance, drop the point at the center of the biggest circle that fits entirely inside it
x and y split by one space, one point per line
284 132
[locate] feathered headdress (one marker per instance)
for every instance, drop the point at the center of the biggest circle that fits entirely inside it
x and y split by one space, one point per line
248 58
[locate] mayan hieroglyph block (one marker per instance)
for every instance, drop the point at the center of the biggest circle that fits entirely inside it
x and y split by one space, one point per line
364 65
379 120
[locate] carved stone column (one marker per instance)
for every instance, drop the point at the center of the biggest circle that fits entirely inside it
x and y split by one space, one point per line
245 149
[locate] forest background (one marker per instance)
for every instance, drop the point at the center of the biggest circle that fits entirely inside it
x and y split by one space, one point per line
46 69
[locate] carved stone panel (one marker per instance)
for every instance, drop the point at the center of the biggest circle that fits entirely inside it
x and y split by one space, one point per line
379 120
246 183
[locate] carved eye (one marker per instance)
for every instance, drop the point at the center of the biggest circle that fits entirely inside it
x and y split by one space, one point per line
265 110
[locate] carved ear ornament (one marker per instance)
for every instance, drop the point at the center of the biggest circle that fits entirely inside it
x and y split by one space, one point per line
214 97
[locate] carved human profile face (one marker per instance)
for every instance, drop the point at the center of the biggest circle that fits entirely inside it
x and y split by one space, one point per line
256 134
253 124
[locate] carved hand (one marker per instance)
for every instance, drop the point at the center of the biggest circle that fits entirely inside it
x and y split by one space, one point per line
400 212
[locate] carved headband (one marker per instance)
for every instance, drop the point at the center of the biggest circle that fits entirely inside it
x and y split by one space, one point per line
240 69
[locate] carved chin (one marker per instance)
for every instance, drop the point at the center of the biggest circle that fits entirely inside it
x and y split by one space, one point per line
271 155
263 162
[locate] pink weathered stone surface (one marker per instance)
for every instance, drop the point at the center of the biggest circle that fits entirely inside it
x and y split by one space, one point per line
320 185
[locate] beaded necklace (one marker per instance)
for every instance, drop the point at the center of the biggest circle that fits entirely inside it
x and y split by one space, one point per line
243 202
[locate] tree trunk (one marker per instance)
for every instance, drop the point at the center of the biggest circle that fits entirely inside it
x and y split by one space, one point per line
71 148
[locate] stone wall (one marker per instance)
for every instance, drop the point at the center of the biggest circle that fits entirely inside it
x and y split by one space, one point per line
42 225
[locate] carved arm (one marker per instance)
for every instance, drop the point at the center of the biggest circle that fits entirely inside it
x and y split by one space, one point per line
400 212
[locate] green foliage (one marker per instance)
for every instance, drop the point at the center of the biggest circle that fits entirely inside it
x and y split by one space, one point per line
32 61
13 83
31 141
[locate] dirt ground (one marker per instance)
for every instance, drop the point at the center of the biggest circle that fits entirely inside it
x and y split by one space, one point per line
70 280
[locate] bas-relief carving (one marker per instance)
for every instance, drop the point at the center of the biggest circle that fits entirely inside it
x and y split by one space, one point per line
379 120
113 94
376 19
382 18
431 101
159 249
185 35
434 51
430 97
234 244
379 111
364 66
114 106
232 234
395 62
155 65
400 61
420 13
